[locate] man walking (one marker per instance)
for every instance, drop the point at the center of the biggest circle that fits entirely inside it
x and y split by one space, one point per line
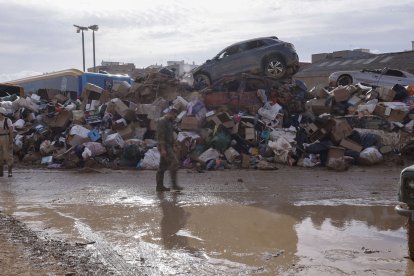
168 161
6 142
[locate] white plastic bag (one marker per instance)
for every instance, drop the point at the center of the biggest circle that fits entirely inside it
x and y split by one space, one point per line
151 159
370 156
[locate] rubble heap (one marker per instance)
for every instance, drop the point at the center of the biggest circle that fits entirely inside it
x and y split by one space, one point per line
326 126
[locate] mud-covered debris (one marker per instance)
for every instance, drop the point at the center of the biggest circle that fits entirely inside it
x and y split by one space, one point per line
369 251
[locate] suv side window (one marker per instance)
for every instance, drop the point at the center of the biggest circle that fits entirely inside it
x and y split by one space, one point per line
394 73
229 51
252 45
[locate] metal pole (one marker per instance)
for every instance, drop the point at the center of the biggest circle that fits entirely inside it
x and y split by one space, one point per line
83 51
93 38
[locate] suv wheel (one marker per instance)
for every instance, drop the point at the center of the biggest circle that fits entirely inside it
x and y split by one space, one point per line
275 67
201 81
344 80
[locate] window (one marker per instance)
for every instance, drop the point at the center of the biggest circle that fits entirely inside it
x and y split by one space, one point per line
229 51
252 45
394 73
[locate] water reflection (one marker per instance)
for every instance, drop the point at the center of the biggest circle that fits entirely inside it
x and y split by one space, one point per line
381 217
174 218
7 197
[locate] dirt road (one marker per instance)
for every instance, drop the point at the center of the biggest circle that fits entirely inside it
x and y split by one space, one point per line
291 221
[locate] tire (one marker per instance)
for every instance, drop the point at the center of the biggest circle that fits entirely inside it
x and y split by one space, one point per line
275 67
410 238
201 81
344 80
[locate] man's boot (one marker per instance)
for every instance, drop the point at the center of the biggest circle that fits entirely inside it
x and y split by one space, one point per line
10 171
175 186
1 169
160 183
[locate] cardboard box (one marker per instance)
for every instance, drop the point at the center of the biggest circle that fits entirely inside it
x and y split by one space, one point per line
232 155
391 114
341 94
320 106
379 110
190 123
74 140
93 87
180 103
340 130
78 116
335 153
152 111
354 100
119 124
386 94
249 133
397 115
349 144
222 118
119 106
61 98
114 140
311 128
61 120
161 103
318 135
209 154
121 87
127 132
245 161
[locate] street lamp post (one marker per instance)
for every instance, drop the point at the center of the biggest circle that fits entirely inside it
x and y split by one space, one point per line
78 30
93 28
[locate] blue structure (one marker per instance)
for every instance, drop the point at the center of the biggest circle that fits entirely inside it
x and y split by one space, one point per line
68 81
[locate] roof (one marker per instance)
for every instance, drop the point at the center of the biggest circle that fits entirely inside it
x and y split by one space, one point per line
68 72
400 60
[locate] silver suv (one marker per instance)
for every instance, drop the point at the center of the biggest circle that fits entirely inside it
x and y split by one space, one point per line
267 56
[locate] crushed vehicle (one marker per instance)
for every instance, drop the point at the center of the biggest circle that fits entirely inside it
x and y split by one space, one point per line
385 77
11 89
406 195
237 92
267 56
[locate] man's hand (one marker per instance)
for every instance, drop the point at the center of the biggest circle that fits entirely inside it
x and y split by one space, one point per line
163 152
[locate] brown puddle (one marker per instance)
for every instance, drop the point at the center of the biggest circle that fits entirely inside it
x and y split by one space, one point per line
174 236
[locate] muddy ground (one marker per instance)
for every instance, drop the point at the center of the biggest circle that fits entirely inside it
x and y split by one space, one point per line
24 252
291 221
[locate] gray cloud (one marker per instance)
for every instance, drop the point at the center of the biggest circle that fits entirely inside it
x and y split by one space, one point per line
41 38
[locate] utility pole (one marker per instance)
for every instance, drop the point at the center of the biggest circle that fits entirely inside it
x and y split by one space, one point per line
94 28
78 30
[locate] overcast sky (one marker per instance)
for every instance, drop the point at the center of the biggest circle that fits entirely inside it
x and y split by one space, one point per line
38 36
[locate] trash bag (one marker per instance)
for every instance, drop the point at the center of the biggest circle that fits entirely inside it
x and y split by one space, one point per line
131 155
282 150
151 160
370 156
221 141
370 140
401 92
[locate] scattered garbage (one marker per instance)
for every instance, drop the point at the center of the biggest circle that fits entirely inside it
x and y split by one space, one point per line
266 123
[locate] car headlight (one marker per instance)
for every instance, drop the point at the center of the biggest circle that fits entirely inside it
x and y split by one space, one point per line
409 188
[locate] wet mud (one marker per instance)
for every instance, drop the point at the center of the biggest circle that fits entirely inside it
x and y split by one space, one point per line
224 223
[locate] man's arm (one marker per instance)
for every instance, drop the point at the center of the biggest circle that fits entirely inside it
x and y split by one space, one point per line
10 130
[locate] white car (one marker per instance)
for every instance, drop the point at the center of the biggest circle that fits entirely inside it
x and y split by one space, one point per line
373 77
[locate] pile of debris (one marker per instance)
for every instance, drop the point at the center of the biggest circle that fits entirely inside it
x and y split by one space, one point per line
326 126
